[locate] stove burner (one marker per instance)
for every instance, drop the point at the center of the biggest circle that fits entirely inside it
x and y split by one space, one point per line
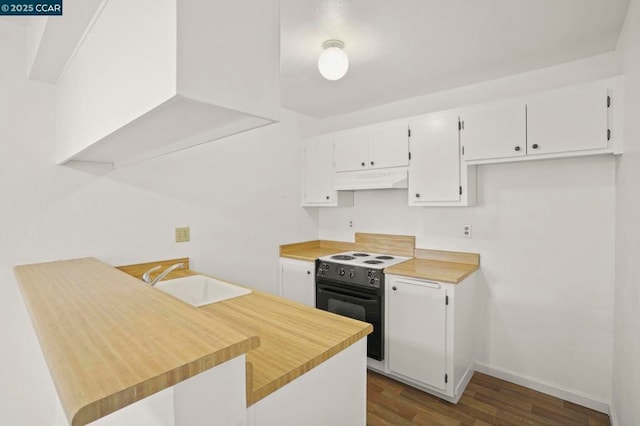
342 257
373 262
384 257
360 254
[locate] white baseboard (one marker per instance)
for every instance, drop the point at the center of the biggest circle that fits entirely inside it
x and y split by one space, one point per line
570 395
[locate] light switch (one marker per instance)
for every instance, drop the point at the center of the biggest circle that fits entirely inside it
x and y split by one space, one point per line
183 234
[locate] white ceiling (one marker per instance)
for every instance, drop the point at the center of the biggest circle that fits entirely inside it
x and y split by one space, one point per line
403 48
18 20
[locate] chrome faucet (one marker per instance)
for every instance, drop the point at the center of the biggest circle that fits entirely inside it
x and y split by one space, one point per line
146 277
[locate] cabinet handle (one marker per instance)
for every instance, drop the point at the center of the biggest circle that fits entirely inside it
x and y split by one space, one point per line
394 288
517 148
328 197
535 146
417 195
372 163
308 272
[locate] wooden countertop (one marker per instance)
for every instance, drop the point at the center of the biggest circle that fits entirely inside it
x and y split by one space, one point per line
435 265
434 270
294 338
311 250
110 340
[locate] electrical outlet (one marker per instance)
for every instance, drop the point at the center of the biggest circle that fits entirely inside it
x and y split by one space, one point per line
466 231
350 224
183 234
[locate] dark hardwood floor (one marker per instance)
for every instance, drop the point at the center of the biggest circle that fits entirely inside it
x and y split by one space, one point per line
486 401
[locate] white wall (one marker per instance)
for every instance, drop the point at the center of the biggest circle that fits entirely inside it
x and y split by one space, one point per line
626 360
545 232
111 65
240 196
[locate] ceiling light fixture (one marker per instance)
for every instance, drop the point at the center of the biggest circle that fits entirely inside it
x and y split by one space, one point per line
333 63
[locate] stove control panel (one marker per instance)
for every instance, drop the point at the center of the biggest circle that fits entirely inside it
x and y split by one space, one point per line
357 275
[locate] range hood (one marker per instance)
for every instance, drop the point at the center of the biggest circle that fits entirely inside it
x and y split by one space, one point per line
396 177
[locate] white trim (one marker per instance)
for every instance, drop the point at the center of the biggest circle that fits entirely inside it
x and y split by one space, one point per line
82 38
566 394
466 378
613 416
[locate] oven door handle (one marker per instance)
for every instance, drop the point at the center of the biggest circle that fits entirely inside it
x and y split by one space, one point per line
346 297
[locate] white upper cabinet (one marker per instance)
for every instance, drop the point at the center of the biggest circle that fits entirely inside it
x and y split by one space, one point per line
372 147
318 175
434 170
435 155
570 119
351 150
189 72
389 145
494 131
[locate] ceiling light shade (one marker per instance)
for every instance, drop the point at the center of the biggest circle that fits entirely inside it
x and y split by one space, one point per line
333 63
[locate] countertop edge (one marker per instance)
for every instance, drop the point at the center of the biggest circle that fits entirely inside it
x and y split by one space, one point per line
298 257
85 414
419 276
269 388
79 412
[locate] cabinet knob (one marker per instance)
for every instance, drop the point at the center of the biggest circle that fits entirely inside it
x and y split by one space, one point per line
328 197
363 164
308 272
372 163
535 146
417 195
517 148
394 288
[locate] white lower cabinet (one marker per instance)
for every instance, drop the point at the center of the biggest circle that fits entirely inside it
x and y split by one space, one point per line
417 331
297 281
430 334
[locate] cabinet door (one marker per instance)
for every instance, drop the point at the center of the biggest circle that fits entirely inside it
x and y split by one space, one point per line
389 145
496 131
434 169
417 330
351 151
318 171
297 281
570 119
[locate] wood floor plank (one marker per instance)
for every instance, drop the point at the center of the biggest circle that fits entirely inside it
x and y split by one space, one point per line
574 415
439 405
595 417
498 398
486 401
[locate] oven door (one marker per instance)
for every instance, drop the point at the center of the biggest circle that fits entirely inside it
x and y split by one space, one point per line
357 304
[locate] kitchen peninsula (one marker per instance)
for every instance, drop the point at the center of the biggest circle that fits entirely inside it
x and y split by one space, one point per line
110 341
